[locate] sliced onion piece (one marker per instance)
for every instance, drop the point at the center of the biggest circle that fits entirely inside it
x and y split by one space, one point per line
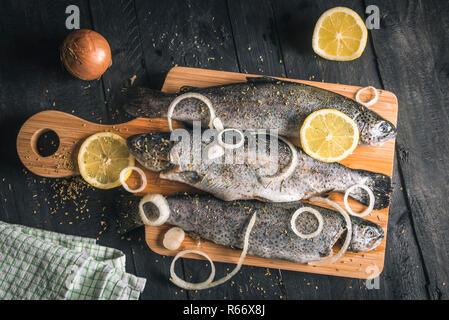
316 214
229 145
370 102
173 238
217 124
345 246
142 176
161 203
371 200
188 285
208 283
287 172
195 95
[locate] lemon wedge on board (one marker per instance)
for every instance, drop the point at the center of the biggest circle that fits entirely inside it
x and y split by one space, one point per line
101 159
329 135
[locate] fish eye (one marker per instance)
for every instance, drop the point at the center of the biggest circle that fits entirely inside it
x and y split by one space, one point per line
383 127
370 233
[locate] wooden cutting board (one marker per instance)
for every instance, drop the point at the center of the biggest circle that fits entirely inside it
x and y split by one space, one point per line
72 131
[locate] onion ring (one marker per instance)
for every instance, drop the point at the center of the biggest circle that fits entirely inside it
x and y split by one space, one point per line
316 214
371 200
289 170
345 246
208 283
188 285
198 96
142 176
370 102
217 124
161 203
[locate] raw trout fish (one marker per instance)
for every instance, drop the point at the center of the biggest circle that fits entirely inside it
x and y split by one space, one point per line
261 103
240 179
224 223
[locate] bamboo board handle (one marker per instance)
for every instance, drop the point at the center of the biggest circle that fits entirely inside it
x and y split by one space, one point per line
72 131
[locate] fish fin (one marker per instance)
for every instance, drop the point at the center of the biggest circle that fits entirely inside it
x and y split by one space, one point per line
185 89
126 217
190 177
326 253
193 235
380 184
146 102
324 194
261 79
261 199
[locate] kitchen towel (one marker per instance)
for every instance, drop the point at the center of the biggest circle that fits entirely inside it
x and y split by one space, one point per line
37 264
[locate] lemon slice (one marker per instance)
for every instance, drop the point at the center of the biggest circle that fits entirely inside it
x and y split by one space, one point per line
340 34
101 159
329 135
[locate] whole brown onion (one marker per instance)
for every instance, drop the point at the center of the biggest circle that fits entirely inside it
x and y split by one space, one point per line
86 54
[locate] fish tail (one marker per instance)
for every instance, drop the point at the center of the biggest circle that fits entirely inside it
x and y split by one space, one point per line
145 102
127 218
380 184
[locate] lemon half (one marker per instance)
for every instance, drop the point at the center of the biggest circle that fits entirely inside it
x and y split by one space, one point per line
329 135
101 159
340 34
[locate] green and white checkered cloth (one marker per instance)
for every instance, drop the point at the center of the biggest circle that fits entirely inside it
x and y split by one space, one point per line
37 264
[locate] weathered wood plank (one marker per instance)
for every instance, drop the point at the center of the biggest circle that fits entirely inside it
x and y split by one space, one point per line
118 24
296 20
33 79
194 34
185 33
256 38
408 65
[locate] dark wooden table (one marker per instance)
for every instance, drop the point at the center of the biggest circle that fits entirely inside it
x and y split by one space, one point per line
408 55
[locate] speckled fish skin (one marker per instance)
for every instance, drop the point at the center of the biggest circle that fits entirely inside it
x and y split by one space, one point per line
262 103
241 180
225 223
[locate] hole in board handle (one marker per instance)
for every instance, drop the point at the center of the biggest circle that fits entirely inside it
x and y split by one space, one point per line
45 142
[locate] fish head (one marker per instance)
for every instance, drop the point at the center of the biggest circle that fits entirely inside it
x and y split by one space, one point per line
366 235
152 150
377 131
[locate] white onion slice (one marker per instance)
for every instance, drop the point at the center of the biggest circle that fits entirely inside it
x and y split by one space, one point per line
198 96
228 145
161 203
371 200
142 176
173 238
316 214
208 283
286 172
345 246
370 102
217 124
188 285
